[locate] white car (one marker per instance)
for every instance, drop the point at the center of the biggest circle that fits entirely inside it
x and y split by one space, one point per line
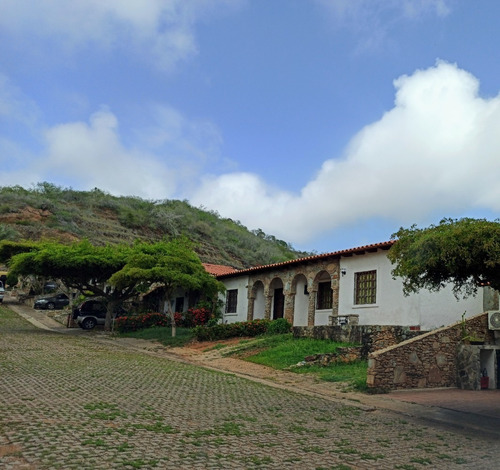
2 291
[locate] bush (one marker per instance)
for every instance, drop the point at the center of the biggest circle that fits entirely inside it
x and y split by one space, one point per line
280 326
231 330
193 317
139 322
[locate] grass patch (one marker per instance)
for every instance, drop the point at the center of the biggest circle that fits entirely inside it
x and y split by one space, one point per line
284 352
162 334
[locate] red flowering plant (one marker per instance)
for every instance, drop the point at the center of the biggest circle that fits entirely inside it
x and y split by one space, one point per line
139 322
193 317
230 330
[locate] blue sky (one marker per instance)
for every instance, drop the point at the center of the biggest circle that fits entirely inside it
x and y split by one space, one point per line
327 123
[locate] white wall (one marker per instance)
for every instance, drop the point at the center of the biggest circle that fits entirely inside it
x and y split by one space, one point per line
240 283
429 310
301 303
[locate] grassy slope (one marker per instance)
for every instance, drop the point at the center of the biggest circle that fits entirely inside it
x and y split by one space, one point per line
47 211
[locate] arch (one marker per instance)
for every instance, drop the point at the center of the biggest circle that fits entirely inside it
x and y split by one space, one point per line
300 292
276 299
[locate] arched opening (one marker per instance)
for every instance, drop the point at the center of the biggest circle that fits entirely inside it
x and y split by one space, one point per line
278 299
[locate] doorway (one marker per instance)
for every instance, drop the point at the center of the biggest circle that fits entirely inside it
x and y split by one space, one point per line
278 303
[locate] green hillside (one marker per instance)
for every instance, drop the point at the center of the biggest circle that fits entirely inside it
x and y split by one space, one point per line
51 212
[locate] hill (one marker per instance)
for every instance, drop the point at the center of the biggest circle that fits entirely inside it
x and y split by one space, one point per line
51 212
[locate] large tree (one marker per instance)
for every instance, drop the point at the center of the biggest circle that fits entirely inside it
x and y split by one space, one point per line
463 252
80 266
169 266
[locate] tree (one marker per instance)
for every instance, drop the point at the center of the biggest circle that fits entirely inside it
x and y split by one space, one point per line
10 248
464 252
168 265
80 266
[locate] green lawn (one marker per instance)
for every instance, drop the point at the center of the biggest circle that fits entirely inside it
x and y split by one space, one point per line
285 352
162 335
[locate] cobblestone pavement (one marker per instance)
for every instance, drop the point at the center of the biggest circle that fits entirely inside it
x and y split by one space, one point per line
76 401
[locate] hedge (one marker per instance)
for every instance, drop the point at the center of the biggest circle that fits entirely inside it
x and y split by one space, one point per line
231 330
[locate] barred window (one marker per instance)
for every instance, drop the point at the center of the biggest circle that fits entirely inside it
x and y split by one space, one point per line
231 300
324 298
365 290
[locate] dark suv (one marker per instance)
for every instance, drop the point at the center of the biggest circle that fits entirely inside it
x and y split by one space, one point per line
92 312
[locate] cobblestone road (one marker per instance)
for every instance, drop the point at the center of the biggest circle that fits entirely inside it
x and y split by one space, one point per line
71 402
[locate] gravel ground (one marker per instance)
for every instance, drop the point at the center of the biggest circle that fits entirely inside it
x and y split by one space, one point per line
78 401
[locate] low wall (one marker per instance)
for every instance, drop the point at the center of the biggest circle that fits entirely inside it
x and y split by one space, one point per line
427 361
371 337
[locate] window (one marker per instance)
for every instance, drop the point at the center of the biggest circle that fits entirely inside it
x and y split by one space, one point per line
324 299
231 300
365 289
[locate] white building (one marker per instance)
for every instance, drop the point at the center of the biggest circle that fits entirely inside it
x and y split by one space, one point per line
344 286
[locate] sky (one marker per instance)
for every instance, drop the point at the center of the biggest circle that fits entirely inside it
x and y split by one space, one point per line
326 123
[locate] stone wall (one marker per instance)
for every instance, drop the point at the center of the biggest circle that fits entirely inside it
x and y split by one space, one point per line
427 361
370 337
287 277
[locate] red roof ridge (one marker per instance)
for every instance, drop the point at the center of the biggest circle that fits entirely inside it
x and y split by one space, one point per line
349 251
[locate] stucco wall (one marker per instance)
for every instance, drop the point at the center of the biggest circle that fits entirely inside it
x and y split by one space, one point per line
239 283
429 310
427 361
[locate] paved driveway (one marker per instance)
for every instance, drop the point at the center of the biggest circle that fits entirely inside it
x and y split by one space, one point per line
69 401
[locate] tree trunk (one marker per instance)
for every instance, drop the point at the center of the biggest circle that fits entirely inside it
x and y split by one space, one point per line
172 316
110 312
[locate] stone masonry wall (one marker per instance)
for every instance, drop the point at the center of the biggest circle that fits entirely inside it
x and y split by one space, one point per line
427 361
371 337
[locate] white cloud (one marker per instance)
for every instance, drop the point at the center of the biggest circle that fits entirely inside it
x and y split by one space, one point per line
93 156
435 151
161 30
354 10
14 105
371 20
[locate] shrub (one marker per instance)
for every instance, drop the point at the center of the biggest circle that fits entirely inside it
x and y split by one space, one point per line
279 327
231 330
193 317
139 322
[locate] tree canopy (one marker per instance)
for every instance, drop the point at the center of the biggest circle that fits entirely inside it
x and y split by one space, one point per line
464 252
168 265
128 269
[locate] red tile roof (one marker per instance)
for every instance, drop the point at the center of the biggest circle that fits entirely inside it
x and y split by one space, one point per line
219 269
334 254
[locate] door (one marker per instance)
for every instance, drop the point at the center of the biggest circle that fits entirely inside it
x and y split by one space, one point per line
279 303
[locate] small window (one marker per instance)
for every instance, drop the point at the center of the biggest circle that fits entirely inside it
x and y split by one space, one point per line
365 289
324 299
231 300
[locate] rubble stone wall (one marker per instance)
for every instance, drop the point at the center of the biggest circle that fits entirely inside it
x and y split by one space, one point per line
370 337
427 361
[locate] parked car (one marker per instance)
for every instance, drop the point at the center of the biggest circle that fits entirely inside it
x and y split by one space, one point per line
50 286
52 302
2 291
92 312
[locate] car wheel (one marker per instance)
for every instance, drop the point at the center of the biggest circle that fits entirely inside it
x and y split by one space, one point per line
88 323
51 306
